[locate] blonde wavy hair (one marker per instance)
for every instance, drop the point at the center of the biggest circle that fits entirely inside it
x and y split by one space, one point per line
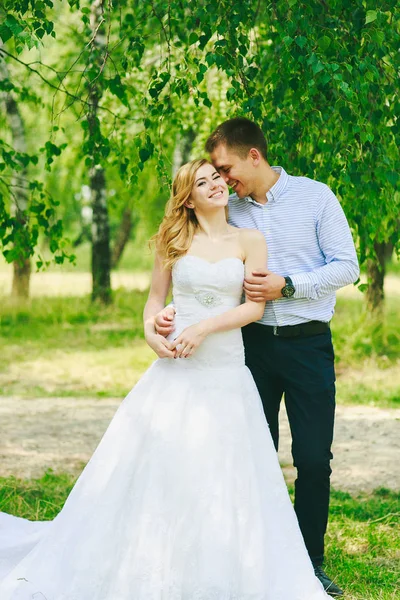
175 234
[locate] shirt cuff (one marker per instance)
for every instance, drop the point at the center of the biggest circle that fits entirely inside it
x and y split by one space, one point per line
304 286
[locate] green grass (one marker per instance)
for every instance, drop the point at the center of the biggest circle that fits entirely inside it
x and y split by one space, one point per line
358 337
363 545
362 549
367 355
70 347
54 346
36 499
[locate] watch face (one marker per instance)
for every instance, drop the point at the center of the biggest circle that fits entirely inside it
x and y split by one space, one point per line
288 291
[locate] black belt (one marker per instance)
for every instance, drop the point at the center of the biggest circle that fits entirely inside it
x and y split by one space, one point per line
301 330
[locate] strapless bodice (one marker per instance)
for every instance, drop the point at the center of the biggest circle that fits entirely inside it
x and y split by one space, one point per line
202 289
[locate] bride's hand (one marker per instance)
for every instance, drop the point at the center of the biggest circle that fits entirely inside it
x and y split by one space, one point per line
189 340
161 346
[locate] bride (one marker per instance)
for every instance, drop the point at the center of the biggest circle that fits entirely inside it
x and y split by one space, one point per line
184 498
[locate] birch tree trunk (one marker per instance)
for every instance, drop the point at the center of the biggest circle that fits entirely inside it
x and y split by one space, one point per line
376 270
123 235
183 148
22 267
101 256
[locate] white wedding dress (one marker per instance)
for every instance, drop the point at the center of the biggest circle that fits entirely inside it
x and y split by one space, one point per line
184 498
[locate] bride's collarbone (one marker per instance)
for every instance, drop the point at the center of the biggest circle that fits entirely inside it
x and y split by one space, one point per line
215 252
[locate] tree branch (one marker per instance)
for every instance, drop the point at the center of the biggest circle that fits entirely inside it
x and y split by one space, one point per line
58 89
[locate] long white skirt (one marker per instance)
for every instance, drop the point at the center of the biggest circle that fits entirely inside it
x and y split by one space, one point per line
183 499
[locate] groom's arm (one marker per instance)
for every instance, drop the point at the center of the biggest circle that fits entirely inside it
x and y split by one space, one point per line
337 246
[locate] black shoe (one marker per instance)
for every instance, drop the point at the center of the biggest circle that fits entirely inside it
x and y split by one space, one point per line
331 588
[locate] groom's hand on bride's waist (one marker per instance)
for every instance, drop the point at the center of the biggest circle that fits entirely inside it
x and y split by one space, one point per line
263 285
164 321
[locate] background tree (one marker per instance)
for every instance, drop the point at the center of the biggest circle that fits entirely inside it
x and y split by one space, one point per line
22 264
321 80
101 255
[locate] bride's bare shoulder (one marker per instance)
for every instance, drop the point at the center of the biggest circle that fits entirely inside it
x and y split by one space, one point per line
250 235
245 232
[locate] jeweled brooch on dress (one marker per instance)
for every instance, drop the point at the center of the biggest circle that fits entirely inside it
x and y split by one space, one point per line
207 299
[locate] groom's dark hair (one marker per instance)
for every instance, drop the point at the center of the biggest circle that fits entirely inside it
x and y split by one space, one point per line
238 134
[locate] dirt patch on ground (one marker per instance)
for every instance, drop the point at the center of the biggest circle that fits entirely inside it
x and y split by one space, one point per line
366 449
61 433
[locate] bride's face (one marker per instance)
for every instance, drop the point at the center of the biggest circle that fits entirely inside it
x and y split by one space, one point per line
209 191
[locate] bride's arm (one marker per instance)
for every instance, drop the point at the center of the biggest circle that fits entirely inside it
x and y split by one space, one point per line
255 252
160 284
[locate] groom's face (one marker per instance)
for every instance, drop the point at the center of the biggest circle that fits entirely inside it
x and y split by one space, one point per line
237 171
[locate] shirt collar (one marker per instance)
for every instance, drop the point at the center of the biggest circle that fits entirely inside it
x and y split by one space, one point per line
277 189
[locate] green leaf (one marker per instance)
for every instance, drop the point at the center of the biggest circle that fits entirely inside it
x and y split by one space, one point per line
324 42
193 38
203 39
13 24
325 78
144 154
38 208
371 16
378 36
392 177
43 222
10 255
5 33
301 41
116 87
53 246
287 40
317 67
210 58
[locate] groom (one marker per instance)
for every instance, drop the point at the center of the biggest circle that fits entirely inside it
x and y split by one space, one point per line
289 352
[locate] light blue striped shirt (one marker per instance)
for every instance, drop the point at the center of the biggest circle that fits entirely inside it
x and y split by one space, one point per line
308 239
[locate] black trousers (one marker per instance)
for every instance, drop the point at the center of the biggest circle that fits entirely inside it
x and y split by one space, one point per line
301 369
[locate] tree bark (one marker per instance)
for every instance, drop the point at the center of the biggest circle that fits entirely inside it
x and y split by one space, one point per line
101 258
183 148
101 255
376 270
123 235
22 267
